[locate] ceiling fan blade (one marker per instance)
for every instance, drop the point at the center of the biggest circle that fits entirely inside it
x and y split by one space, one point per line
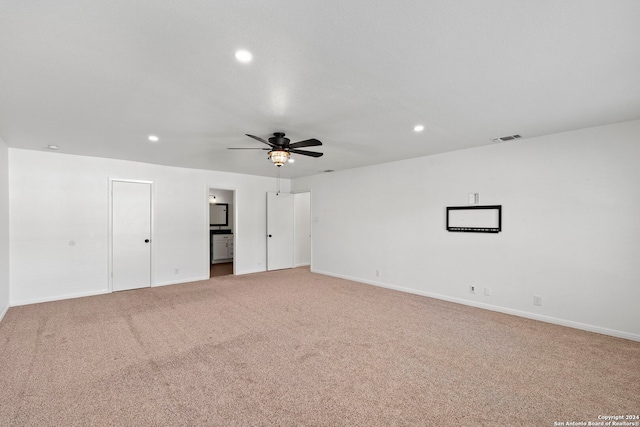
247 148
306 153
306 143
257 138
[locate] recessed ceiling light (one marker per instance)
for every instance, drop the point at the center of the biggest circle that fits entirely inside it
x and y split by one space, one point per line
418 128
153 138
291 160
243 56
53 147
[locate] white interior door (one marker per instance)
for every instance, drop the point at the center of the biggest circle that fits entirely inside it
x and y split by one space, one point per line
131 235
280 245
302 229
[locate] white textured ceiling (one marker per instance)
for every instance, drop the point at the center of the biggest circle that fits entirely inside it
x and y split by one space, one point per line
97 77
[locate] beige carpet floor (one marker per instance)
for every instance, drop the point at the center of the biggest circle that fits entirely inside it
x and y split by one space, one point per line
293 348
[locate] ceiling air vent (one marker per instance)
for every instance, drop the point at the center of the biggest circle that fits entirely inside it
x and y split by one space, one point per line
507 138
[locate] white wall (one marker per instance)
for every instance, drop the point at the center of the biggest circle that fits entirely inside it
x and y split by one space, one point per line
4 228
56 199
571 227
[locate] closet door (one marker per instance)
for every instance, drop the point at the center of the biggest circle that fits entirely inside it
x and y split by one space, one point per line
131 235
279 231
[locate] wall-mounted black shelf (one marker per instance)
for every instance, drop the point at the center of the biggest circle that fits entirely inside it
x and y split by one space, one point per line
474 219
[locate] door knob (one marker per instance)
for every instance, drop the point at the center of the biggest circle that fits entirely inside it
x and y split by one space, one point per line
146 240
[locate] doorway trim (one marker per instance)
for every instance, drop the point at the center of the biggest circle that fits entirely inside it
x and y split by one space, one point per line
110 228
236 226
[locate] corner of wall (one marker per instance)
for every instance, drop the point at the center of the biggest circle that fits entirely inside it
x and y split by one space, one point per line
569 227
4 228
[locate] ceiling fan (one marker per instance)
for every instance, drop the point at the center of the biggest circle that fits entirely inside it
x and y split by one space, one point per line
280 148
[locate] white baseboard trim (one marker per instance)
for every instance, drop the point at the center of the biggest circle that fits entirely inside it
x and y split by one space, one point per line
93 293
519 313
304 264
177 282
4 312
240 273
59 297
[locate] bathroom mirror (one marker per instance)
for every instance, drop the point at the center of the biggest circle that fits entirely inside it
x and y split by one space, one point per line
218 214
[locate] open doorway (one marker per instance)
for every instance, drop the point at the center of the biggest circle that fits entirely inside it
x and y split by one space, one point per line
221 231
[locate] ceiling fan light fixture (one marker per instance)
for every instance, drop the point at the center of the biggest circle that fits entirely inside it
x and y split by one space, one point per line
279 157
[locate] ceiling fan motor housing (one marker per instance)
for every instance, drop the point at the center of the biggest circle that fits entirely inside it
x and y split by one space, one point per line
279 139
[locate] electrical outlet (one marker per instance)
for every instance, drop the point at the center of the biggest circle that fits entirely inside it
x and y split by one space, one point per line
472 289
487 292
176 271
537 300
377 273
